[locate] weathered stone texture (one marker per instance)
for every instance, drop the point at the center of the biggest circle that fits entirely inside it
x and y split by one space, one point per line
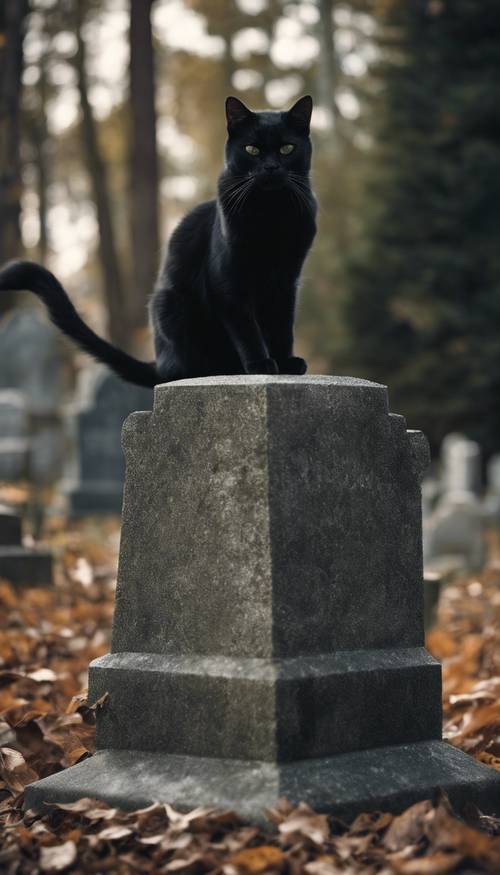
272 507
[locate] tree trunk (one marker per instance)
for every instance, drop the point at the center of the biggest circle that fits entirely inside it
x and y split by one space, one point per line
328 67
12 13
118 325
143 162
39 136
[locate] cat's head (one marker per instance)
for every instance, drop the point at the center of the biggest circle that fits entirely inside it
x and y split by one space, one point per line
268 147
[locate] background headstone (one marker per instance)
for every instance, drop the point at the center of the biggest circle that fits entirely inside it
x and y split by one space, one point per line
18 564
14 436
33 361
454 531
268 631
461 465
105 403
492 497
10 526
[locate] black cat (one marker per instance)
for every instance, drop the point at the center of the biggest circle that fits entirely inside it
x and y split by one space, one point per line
224 301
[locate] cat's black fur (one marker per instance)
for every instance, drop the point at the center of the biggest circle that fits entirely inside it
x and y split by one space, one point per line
224 302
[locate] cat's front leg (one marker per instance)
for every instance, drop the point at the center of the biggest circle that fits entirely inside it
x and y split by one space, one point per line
279 317
262 366
245 334
292 364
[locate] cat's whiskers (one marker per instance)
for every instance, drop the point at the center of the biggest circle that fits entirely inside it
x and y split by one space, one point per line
234 201
300 190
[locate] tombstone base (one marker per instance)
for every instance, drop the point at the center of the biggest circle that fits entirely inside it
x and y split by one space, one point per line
10 527
387 778
23 566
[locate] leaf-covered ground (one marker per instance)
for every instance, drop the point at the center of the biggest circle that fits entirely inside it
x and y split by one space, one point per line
47 639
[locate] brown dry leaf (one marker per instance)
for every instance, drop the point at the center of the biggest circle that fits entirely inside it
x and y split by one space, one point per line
55 858
280 812
76 755
14 770
374 821
186 865
79 807
261 858
324 865
113 833
445 832
303 822
152 839
77 702
99 702
152 820
488 759
435 864
199 819
43 675
8 677
441 643
407 829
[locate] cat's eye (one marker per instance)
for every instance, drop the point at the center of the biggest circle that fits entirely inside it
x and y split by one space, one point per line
287 148
252 150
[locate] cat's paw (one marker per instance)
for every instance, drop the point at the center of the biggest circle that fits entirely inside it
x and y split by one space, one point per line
293 365
262 366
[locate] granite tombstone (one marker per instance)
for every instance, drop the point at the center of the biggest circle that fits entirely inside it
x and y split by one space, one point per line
268 634
18 564
32 361
454 531
106 403
14 435
492 497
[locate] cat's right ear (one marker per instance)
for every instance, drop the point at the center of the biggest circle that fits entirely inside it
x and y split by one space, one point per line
236 112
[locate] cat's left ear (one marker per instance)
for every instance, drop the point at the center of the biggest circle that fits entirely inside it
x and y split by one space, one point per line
300 113
236 112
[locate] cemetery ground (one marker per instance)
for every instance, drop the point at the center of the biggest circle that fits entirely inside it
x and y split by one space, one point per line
49 636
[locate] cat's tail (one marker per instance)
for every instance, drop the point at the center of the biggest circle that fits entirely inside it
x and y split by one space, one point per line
26 275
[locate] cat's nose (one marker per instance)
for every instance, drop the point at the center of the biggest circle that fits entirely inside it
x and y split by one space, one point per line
270 166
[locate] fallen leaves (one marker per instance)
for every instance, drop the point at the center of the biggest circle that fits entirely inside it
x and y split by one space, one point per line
467 641
262 858
89 836
48 638
57 857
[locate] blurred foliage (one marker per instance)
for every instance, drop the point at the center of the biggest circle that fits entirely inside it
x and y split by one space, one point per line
402 285
423 311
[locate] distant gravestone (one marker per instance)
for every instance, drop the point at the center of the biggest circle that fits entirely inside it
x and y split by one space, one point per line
19 564
32 362
100 462
492 498
14 436
461 463
454 531
268 637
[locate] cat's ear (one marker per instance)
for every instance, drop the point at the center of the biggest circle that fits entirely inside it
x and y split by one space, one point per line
300 113
236 112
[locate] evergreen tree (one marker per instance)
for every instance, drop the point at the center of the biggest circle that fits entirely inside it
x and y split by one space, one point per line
423 313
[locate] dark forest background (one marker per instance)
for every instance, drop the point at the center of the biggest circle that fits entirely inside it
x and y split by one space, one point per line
112 126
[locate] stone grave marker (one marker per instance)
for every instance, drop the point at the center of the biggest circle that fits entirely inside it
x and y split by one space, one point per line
454 531
19 564
14 435
107 401
461 465
32 361
492 497
268 635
